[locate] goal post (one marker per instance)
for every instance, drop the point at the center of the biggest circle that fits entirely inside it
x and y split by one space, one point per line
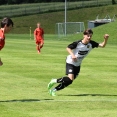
71 28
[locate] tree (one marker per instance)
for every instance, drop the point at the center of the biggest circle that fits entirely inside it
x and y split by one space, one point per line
2 2
9 2
113 2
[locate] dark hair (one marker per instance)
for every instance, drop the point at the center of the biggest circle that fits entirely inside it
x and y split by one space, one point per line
6 21
88 31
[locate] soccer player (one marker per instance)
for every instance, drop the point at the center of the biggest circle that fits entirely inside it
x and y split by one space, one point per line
6 26
39 37
77 50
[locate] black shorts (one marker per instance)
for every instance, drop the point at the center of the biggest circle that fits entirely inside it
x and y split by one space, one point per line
71 69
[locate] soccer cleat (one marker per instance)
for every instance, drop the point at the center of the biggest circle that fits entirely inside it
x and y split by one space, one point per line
52 92
51 84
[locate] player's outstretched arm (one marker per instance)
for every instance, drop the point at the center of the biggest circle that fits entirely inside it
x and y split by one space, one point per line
103 44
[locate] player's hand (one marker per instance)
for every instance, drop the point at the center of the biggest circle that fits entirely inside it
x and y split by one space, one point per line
74 58
106 36
1 63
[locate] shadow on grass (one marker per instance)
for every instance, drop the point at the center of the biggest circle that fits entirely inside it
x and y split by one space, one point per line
90 95
26 100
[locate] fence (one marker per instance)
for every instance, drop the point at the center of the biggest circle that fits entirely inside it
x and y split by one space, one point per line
28 9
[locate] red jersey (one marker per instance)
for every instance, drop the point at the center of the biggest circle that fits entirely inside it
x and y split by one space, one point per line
39 32
2 39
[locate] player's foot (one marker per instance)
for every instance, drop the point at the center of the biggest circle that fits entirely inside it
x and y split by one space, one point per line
52 92
39 52
52 82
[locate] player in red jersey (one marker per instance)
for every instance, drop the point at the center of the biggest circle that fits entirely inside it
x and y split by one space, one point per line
39 37
6 26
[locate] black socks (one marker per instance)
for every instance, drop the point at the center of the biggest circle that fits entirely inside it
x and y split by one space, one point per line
64 82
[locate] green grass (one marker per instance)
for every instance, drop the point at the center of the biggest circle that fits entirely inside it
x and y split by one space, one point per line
25 75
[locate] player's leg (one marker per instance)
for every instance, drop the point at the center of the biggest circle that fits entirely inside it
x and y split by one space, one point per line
39 50
71 71
63 82
41 44
37 46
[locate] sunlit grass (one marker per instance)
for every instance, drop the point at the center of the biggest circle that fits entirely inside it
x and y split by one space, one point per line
25 75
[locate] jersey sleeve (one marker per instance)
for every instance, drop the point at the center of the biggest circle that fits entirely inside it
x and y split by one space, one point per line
73 45
94 44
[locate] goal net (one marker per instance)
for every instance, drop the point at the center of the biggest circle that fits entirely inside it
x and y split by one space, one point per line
68 28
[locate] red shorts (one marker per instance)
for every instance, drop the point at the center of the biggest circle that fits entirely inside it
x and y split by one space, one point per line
39 41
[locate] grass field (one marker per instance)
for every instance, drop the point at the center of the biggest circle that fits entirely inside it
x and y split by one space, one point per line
25 75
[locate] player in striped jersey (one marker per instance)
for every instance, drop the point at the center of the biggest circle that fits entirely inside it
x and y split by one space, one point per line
77 50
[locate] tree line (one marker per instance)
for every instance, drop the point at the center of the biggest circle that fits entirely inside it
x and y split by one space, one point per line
3 2
27 1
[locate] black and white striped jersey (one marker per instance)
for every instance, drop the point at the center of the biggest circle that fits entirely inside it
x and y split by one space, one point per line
80 50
